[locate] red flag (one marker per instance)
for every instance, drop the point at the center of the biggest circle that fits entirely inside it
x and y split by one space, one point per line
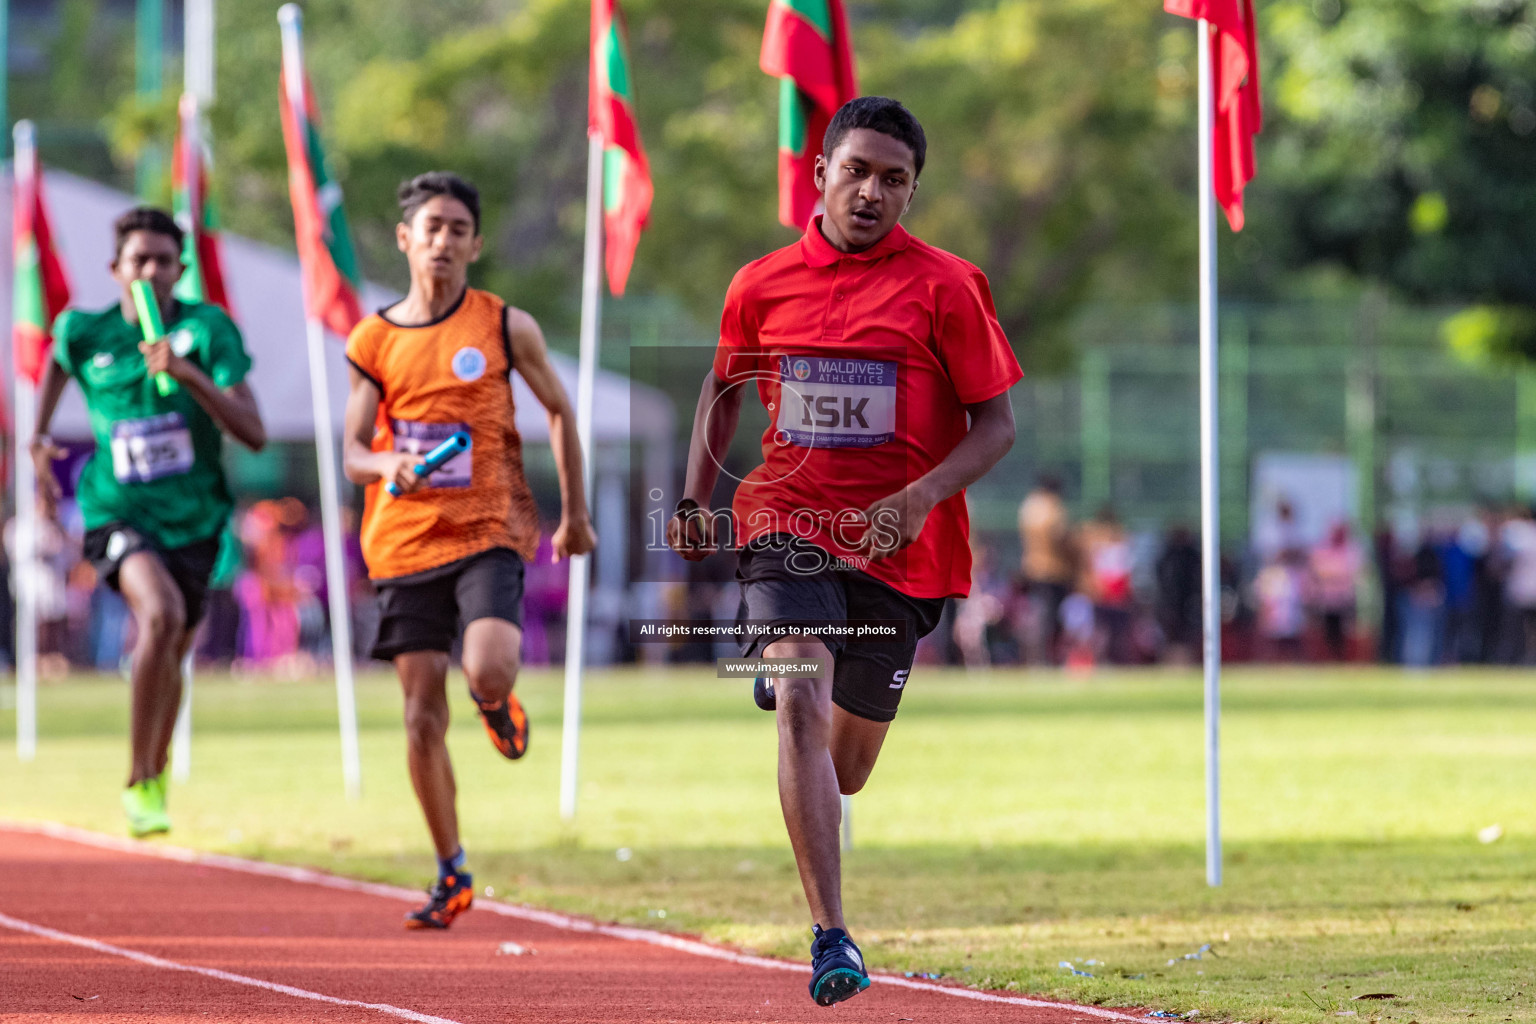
627 189
1239 114
806 45
331 280
203 280
41 288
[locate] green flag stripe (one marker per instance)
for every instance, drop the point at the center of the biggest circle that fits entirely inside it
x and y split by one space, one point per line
792 120
615 163
616 64
340 240
814 11
28 299
328 196
189 287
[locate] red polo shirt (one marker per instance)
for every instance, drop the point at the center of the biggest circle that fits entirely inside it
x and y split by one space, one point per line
865 362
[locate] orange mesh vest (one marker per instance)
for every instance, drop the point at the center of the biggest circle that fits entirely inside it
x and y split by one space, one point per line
437 378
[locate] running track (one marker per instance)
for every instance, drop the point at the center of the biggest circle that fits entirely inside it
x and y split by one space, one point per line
94 926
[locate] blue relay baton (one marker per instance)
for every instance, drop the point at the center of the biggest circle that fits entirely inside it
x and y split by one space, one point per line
437 458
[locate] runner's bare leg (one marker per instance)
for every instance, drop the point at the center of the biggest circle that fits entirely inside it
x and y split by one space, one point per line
492 656
856 744
808 792
155 677
166 727
423 677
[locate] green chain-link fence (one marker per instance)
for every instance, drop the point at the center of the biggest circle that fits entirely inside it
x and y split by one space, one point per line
1369 382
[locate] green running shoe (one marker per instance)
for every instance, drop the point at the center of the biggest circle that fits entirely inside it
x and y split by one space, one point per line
144 803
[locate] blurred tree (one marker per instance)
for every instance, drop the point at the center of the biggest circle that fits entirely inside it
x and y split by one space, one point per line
65 72
1396 151
1056 151
1399 150
1051 132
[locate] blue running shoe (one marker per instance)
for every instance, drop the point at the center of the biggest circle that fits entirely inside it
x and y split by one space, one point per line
762 694
837 967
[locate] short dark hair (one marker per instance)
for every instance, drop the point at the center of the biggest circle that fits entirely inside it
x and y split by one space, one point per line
415 193
877 113
145 218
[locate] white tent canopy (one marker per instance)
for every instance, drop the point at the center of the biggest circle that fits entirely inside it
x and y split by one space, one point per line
265 292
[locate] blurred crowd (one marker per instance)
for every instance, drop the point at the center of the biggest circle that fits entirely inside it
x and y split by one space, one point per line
268 607
1460 591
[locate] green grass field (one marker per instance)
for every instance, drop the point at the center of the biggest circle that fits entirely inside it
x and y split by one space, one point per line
1016 821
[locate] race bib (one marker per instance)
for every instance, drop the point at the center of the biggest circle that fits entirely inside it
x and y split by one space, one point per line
421 438
151 449
836 403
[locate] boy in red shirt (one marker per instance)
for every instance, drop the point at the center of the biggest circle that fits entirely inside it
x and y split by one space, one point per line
870 349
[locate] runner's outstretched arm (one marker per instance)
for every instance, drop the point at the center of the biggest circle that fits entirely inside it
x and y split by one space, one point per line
43 450
359 462
232 408
714 426
898 519
530 357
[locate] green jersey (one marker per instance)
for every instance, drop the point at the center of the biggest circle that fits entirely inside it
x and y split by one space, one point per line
157 462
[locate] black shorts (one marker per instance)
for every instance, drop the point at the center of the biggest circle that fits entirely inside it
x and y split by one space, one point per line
190 566
786 580
427 611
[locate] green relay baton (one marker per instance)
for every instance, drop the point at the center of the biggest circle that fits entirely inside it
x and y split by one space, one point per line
154 330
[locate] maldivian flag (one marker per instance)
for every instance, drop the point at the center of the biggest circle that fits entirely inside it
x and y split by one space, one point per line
203 280
331 280
1235 89
41 288
807 46
627 187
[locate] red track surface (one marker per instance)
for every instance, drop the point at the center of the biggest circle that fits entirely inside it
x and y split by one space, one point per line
343 941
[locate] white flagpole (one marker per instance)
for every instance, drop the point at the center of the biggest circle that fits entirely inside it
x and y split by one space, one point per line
24 565
335 563
191 145
24 570
198 49
576 606
181 735
1210 492
291 20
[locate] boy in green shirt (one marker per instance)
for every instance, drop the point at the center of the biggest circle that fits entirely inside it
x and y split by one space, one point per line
153 495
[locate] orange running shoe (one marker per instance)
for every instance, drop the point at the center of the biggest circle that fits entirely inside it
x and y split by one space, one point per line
506 723
451 896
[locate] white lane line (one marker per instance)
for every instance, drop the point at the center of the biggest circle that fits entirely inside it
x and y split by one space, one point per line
308 876
146 959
